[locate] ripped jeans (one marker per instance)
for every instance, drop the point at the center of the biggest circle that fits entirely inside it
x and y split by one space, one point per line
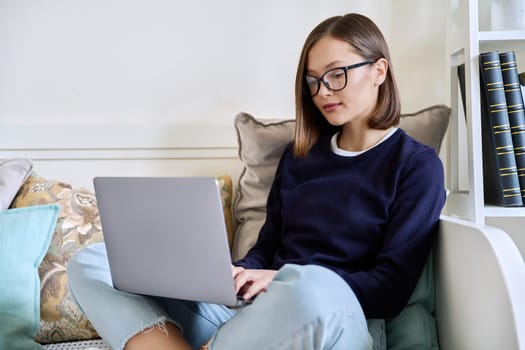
305 307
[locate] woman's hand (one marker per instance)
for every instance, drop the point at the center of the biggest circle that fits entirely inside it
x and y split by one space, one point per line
249 283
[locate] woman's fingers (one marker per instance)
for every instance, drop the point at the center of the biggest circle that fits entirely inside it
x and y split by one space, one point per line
254 289
241 279
236 270
252 282
261 284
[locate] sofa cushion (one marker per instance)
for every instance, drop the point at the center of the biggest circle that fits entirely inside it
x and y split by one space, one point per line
424 293
25 235
413 329
13 173
261 143
428 125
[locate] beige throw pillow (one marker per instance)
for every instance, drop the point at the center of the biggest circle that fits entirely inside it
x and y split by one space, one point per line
428 125
261 143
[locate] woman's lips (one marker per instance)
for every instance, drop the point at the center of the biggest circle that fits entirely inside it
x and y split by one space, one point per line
330 107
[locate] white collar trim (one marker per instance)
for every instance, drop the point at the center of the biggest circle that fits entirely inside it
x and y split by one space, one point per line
344 153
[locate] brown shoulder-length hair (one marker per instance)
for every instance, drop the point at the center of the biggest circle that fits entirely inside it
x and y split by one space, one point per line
368 41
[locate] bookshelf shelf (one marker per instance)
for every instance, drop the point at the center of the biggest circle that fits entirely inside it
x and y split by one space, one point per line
501 36
501 212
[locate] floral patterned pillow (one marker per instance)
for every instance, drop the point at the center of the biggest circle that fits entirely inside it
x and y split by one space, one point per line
78 225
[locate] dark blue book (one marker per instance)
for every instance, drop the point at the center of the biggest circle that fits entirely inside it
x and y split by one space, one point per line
521 77
516 111
500 172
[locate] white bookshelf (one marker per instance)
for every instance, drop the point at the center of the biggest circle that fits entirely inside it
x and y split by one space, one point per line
465 158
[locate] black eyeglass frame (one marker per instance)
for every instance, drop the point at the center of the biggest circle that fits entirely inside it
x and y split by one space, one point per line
326 84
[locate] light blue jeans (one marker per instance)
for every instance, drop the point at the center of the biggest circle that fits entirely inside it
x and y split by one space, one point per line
305 307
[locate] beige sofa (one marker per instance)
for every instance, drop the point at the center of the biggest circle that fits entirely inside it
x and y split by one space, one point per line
63 326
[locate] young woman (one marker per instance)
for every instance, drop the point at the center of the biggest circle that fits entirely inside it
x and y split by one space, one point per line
351 218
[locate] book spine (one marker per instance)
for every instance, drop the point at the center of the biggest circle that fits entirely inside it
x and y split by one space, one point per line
501 181
522 85
516 112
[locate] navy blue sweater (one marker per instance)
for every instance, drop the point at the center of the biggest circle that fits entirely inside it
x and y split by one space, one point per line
370 218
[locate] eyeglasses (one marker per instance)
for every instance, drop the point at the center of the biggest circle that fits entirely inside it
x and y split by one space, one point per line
334 79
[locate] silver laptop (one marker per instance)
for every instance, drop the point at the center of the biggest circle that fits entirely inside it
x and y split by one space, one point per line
166 236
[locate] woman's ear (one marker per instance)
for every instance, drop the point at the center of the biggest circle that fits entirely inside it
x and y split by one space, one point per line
381 69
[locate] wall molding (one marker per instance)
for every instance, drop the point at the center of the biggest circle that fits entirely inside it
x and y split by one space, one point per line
78 153
101 138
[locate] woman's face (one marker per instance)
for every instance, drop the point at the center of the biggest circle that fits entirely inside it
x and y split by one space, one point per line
357 100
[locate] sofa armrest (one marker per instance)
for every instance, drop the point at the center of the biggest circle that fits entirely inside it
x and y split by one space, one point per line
480 281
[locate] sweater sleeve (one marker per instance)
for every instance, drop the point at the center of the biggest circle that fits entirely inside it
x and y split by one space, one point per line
261 255
385 289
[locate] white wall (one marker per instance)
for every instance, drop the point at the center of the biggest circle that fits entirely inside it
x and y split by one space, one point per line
97 62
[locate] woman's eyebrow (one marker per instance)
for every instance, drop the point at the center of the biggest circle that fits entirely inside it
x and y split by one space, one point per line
330 65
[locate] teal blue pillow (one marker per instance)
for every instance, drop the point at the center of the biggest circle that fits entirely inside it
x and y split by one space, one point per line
25 235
